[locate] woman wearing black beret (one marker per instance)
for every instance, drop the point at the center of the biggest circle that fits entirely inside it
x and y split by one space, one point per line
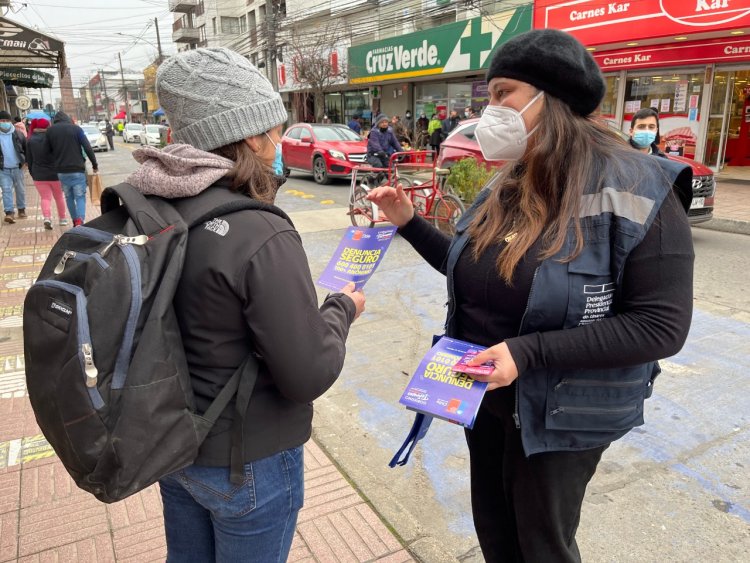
574 266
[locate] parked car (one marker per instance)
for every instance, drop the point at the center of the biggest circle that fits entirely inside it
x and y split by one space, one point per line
96 139
152 135
324 150
461 143
132 133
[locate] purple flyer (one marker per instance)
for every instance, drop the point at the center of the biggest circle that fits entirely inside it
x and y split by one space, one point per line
358 255
437 390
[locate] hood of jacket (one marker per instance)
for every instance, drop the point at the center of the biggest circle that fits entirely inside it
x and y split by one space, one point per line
177 170
61 117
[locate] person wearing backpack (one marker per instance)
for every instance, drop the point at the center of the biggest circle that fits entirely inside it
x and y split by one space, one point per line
245 289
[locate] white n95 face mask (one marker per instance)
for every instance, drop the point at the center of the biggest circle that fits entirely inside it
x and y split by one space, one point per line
501 132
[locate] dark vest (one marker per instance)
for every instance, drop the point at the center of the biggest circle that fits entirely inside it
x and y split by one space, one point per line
577 409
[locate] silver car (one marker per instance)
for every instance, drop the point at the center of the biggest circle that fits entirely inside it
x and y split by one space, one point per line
152 135
96 139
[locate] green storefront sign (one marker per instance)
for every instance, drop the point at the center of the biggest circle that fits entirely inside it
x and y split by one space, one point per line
456 47
26 77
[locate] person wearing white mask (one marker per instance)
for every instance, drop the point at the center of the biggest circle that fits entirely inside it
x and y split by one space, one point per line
574 267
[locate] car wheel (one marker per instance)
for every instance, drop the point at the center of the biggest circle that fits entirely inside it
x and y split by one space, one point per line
320 174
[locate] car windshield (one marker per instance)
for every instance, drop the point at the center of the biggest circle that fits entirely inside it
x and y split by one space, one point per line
89 130
152 128
134 126
335 134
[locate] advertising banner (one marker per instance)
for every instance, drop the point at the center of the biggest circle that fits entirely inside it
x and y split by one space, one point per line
597 22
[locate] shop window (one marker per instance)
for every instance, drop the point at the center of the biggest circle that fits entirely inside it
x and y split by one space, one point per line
608 107
677 98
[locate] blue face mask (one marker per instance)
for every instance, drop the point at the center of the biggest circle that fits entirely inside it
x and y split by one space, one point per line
278 161
5 127
643 139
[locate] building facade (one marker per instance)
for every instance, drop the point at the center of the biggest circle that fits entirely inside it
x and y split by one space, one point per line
689 59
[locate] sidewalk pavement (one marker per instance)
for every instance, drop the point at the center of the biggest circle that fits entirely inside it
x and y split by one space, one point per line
45 517
731 208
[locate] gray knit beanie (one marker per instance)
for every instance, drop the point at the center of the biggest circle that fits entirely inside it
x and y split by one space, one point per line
215 97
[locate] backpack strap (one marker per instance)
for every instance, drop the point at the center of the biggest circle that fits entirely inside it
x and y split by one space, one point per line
143 214
240 384
219 200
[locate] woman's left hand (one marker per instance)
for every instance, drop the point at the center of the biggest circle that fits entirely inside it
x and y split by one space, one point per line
505 371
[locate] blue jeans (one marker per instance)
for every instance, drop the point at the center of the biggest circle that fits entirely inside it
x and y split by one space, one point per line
74 187
207 518
11 178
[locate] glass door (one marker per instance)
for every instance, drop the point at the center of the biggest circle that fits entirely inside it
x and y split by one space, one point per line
713 155
735 133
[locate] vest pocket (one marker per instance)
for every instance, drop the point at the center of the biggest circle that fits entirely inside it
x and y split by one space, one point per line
598 403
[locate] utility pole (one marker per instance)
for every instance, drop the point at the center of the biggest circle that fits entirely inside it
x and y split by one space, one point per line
271 63
125 90
158 40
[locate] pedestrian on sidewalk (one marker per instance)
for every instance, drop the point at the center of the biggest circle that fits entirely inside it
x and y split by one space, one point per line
42 169
12 159
110 133
67 142
574 266
246 288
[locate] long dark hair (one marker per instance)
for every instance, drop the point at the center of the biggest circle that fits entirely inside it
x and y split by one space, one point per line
541 195
250 175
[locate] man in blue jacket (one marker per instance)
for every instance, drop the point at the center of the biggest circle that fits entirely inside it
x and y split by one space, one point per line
12 159
381 144
68 142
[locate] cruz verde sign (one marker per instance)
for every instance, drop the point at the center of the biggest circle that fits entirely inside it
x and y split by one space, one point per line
456 47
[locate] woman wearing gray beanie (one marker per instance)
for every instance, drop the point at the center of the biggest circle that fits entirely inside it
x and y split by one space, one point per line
245 289
574 268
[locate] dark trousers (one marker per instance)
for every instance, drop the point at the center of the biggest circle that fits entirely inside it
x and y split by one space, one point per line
111 141
525 509
375 179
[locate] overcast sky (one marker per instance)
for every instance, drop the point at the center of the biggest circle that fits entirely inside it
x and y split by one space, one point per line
90 29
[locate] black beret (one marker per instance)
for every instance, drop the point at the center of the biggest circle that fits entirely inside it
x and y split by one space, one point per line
553 61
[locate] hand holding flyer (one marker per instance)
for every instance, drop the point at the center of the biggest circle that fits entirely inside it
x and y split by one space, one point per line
358 255
482 369
437 389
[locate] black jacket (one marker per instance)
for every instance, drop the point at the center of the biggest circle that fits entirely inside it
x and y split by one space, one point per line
246 287
65 141
39 158
20 144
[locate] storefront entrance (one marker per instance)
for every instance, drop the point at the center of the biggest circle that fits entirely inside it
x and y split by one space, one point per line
728 139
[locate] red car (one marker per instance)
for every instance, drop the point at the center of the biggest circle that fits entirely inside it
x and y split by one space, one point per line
323 150
462 144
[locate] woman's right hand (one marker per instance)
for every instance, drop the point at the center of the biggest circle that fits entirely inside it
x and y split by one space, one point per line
357 296
394 201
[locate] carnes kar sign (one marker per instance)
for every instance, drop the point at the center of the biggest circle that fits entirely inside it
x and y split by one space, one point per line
601 21
456 47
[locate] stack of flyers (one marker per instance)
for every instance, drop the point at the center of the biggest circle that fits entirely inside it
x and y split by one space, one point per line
438 390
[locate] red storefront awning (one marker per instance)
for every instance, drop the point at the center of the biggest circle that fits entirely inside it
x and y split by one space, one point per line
604 22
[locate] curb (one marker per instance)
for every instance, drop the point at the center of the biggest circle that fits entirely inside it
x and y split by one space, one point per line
726 225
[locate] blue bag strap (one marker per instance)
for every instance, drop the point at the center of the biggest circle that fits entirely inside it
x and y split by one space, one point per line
418 431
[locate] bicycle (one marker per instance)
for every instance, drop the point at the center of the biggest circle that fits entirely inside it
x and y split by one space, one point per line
425 184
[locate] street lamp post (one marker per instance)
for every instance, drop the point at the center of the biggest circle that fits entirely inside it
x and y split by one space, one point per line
104 87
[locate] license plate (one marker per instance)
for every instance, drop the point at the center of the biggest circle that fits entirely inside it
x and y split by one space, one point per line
698 202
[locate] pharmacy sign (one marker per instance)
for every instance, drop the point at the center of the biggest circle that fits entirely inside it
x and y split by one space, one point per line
456 47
